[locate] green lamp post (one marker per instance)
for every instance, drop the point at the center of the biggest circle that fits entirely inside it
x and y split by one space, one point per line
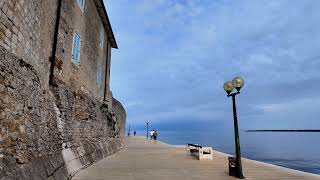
237 83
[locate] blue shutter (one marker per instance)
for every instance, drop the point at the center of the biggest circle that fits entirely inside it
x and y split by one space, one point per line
76 45
101 36
81 3
76 48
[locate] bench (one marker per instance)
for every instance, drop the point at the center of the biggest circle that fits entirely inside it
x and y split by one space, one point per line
199 151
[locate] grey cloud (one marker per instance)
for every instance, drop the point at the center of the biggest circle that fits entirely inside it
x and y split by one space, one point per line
176 61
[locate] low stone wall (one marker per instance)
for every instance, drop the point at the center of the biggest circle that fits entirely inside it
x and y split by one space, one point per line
120 115
50 133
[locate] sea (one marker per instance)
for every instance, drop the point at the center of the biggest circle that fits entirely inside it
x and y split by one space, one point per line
295 150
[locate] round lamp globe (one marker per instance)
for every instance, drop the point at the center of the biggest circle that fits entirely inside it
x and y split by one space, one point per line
238 83
228 87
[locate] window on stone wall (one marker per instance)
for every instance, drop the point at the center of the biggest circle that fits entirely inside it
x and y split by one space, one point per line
76 48
101 36
81 4
99 76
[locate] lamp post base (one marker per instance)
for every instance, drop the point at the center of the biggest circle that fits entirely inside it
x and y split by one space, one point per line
234 168
239 176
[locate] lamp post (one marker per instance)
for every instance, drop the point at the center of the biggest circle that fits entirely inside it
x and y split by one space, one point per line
129 131
229 86
147 130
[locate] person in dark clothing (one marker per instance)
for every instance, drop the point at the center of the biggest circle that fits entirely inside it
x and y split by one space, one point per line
151 134
155 134
134 133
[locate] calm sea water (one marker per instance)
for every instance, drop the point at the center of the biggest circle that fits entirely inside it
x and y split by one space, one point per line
296 150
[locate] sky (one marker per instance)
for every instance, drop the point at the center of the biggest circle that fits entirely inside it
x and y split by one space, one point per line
175 55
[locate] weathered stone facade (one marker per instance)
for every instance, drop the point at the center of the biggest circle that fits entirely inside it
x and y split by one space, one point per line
26 30
120 115
87 24
51 132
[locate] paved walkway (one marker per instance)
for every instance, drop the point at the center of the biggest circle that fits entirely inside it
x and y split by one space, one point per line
145 160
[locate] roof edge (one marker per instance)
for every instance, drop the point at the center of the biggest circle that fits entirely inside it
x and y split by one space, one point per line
106 22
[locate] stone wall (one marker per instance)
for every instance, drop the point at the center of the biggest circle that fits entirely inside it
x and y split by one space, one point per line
26 30
51 133
82 118
121 116
87 24
27 118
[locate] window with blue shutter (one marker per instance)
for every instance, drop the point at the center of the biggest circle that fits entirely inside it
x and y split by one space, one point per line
76 48
101 36
81 4
99 75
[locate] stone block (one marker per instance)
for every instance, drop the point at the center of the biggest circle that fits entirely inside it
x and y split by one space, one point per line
39 168
8 178
15 30
48 166
16 21
87 159
10 14
50 178
18 174
1 3
6 47
8 33
27 172
4 8
56 161
61 173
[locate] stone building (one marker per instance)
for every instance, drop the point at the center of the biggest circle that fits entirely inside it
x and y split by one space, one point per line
57 113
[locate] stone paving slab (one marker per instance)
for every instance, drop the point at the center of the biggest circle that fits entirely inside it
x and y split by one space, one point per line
143 159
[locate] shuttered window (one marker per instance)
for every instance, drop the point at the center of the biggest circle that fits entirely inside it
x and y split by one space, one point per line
81 4
101 36
99 76
76 48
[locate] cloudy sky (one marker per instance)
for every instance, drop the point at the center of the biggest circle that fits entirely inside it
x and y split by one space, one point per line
175 55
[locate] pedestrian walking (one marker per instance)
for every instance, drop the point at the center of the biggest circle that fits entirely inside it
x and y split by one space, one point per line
134 133
155 134
151 134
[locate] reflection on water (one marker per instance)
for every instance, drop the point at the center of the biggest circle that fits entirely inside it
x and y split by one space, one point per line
296 150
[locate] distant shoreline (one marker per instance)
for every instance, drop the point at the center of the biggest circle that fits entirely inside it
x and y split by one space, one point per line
285 130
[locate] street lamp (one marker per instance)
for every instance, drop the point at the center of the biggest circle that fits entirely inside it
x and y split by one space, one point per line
129 131
229 86
147 130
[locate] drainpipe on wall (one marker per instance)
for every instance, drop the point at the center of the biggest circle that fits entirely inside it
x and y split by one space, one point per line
54 45
106 73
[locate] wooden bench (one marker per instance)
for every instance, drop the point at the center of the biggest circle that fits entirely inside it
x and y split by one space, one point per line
199 151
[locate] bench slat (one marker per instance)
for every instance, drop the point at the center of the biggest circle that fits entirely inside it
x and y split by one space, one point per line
195 145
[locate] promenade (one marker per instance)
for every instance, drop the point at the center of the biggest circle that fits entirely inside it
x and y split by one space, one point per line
145 160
